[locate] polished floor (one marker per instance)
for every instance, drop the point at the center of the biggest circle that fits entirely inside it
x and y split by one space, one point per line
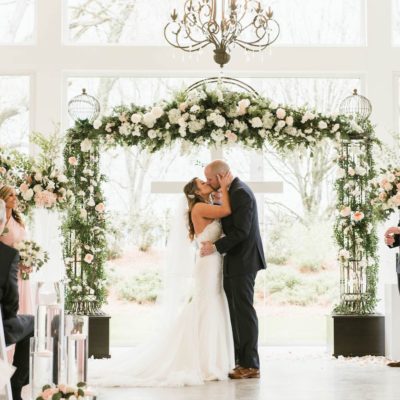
287 373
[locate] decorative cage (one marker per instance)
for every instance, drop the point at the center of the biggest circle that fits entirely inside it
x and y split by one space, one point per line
84 107
357 106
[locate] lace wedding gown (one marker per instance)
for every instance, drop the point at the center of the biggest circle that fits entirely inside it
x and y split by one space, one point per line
197 346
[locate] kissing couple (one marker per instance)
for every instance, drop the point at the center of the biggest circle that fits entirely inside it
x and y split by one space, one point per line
213 331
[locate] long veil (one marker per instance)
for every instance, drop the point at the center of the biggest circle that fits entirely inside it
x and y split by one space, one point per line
179 265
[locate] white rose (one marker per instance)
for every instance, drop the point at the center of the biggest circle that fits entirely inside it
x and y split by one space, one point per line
322 125
38 176
27 195
86 145
97 124
219 121
351 171
281 124
174 115
149 120
152 134
280 113
335 128
360 171
157 112
289 120
62 178
83 213
195 109
391 177
51 185
91 202
345 211
136 118
37 188
256 122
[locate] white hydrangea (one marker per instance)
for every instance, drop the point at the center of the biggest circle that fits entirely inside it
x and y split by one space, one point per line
218 135
173 115
149 120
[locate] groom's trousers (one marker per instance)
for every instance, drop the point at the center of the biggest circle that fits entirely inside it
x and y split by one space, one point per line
240 294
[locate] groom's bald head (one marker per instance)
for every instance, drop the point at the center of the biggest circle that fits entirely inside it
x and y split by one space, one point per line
216 167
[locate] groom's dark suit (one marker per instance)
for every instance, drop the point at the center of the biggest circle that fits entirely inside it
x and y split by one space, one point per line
244 256
17 328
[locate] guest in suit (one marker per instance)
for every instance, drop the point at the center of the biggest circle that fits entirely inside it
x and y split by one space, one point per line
243 258
392 239
15 233
18 329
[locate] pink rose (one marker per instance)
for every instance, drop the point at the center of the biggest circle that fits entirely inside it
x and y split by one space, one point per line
45 199
345 211
73 161
89 258
183 107
232 137
48 393
24 187
100 207
357 216
2 170
280 113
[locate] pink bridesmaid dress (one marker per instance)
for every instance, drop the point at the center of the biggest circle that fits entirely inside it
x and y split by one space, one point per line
15 234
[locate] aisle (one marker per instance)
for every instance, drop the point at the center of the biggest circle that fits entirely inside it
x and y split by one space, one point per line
287 374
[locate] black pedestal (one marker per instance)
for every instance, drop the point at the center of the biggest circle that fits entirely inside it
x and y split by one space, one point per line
356 335
99 336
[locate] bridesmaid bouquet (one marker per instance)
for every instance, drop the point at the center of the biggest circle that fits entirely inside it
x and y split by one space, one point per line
386 191
32 257
48 188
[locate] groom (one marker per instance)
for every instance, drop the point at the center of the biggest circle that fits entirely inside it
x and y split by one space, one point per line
244 256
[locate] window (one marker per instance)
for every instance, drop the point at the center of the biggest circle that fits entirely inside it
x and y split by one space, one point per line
14 112
16 21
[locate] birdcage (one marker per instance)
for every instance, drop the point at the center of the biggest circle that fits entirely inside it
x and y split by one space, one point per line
84 107
357 106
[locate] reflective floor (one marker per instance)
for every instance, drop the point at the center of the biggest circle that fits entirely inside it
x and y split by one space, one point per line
287 373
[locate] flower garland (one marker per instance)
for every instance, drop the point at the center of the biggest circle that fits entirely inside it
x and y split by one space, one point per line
354 229
213 118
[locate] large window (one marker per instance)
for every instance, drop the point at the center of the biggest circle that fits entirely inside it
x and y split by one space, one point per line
14 112
17 21
303 22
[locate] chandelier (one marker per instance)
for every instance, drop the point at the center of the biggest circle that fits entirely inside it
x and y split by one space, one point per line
222 23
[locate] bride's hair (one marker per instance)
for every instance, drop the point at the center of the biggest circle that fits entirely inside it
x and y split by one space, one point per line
193 198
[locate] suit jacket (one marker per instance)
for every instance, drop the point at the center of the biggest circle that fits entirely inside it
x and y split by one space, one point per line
242 243
16 326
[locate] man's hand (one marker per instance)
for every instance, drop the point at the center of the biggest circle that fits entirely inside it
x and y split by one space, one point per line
207 248
389 238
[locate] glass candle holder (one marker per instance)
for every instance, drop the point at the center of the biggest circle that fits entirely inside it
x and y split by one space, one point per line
40 364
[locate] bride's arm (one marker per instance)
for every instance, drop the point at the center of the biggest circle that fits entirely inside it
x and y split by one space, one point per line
211 211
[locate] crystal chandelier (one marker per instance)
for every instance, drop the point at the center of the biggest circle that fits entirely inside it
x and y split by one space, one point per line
222 23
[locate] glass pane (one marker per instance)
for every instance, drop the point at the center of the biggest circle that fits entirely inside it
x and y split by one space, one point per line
14 112
320 22
16 21
138 22
141 22
396 22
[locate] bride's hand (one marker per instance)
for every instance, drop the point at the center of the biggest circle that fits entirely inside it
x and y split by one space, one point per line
225 180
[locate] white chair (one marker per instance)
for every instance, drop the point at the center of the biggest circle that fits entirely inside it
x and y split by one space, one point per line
6 393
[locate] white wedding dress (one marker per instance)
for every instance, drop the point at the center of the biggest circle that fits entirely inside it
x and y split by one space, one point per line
197 344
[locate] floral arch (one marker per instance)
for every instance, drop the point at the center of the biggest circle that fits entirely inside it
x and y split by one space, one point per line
199 117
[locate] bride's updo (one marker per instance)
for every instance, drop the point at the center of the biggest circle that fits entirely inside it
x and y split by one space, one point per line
193 198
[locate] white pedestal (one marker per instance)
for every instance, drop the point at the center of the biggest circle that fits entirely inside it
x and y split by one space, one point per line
392 321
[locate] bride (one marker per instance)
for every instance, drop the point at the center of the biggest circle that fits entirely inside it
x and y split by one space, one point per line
195 344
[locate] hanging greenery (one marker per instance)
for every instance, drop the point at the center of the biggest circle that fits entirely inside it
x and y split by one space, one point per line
218 118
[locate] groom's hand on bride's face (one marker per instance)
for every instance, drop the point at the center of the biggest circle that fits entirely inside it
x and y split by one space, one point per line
207 248
216 197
